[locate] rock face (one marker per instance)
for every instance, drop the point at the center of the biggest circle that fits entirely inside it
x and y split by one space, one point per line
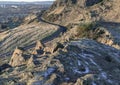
17 58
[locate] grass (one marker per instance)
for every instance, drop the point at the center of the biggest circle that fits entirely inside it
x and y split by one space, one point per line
83 30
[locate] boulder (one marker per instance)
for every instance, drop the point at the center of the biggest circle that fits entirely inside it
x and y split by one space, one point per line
34 52
39 45
17 58
84 80
47 50
79 82
38 48
53 48
31 62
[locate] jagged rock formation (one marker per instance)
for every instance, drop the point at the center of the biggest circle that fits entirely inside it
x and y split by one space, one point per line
31 62
47 50
38 48
39 45
17 58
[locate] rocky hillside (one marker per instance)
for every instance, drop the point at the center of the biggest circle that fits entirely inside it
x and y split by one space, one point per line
67 12
88 53
82 62
104 14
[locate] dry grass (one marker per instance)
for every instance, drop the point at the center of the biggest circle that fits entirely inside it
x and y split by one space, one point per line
83 30
4 35
57 10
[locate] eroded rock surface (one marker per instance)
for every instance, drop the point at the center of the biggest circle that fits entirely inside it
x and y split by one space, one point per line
17 58
78 63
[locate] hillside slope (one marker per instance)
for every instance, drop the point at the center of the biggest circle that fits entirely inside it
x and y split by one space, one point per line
88 53
27 34
104 14
81 62
67 12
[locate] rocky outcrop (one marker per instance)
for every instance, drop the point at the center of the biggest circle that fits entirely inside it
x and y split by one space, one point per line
17 58
51 49
47 50
39 45
38 48
31 62
85 79
107 33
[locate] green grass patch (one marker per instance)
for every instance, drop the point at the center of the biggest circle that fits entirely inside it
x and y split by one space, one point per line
83 30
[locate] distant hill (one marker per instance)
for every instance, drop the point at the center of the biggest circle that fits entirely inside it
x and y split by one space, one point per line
37 2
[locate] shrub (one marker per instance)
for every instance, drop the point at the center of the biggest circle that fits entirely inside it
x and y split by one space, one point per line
83 30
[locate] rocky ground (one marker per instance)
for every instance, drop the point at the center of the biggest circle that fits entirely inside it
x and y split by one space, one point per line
88 53
82 62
